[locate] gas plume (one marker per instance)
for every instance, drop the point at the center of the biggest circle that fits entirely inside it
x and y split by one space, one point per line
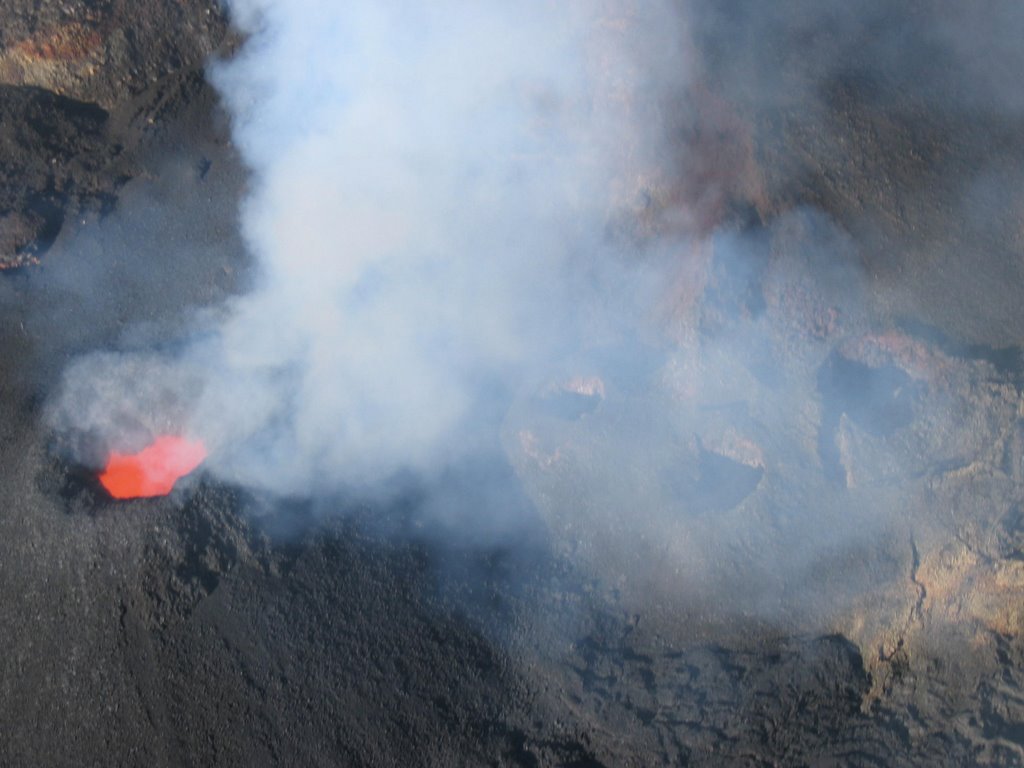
431 196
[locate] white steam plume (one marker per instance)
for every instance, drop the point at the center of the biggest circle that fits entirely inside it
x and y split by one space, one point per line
431 190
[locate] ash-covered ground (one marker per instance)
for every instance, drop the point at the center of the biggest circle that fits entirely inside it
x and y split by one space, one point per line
859 230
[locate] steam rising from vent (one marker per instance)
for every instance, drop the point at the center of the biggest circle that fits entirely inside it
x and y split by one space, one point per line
431 196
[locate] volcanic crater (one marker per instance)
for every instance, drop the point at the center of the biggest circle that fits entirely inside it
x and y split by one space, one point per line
823 568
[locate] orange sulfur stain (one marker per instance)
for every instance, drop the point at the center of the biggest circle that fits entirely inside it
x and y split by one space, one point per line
154 470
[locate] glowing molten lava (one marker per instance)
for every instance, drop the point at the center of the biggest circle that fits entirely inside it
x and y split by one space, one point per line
154 470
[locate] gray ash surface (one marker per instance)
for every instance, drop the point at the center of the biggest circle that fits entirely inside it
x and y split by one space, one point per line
218 627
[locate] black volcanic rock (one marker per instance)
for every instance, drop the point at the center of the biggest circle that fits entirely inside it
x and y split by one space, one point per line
57 153
81 85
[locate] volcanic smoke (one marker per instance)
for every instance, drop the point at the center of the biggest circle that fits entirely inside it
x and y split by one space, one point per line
429 239
154 470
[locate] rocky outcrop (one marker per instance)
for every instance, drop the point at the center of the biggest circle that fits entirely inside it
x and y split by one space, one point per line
81 84
105 52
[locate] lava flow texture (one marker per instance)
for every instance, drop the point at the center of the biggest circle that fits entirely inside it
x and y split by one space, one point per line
154 470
